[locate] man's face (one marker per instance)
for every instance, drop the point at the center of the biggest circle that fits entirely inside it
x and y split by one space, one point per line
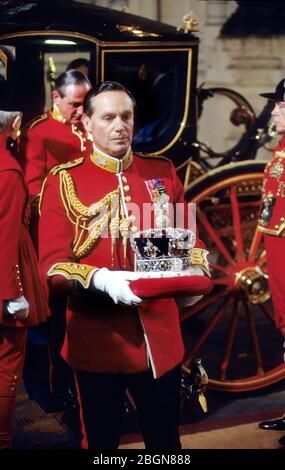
71 104
278 115
112 122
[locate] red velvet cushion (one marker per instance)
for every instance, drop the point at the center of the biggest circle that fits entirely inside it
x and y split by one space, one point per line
180 286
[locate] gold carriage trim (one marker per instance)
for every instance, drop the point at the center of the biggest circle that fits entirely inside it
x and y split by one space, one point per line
277 231
74 272
198 257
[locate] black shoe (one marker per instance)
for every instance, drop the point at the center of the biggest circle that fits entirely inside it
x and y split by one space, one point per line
282 440
274 425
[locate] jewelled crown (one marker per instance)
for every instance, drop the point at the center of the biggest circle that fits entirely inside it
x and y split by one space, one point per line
168 249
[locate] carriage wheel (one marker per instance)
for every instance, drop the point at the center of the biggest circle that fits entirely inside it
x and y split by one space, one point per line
226 110
234 333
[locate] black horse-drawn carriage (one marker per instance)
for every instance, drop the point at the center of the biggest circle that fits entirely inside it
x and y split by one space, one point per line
232 328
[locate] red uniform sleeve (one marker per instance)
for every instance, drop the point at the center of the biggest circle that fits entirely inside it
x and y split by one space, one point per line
55 235
12 200
35 162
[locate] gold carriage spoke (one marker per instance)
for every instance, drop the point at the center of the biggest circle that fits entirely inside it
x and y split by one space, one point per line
254 338
230 341
216 318
215 238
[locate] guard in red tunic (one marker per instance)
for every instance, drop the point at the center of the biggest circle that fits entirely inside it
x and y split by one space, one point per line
56 136
114 339
272 223
22 302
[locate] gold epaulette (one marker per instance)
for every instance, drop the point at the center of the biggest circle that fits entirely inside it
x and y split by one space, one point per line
74 271
65 166
152 155
37 120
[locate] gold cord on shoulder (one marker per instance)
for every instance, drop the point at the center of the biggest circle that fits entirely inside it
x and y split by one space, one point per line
92 220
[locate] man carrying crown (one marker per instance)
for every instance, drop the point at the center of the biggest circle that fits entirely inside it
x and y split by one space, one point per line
272 223
116 339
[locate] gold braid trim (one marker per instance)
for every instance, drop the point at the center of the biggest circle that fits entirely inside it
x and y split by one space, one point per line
74 271
81 216
199 258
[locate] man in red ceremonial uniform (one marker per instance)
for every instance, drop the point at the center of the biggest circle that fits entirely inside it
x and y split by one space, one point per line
22 302
115 339
272 224
57 136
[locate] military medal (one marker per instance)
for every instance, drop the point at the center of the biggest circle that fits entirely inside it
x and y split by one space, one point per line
276 170
160 199
267 209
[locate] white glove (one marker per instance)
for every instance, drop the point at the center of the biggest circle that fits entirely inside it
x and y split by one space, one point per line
19 308
184 302
116 285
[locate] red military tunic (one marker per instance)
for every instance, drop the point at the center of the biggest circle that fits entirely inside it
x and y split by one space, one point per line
102 336
18 263
272 224
47 142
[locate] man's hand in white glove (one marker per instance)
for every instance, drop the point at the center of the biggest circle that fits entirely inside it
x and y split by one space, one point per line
116 285
19 308
184 302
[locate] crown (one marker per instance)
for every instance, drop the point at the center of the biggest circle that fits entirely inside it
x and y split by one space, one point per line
159 250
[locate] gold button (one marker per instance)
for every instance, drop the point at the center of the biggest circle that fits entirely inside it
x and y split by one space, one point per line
124 179
15 376
75 128
128 198
126 188
12 388
84 148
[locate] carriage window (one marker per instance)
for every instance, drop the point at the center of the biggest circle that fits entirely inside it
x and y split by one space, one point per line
158 81
56 63
38 60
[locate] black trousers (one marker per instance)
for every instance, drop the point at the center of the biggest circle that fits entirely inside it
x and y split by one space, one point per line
157 401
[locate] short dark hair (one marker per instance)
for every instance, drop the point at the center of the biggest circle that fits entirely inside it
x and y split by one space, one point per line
105 86
70 77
